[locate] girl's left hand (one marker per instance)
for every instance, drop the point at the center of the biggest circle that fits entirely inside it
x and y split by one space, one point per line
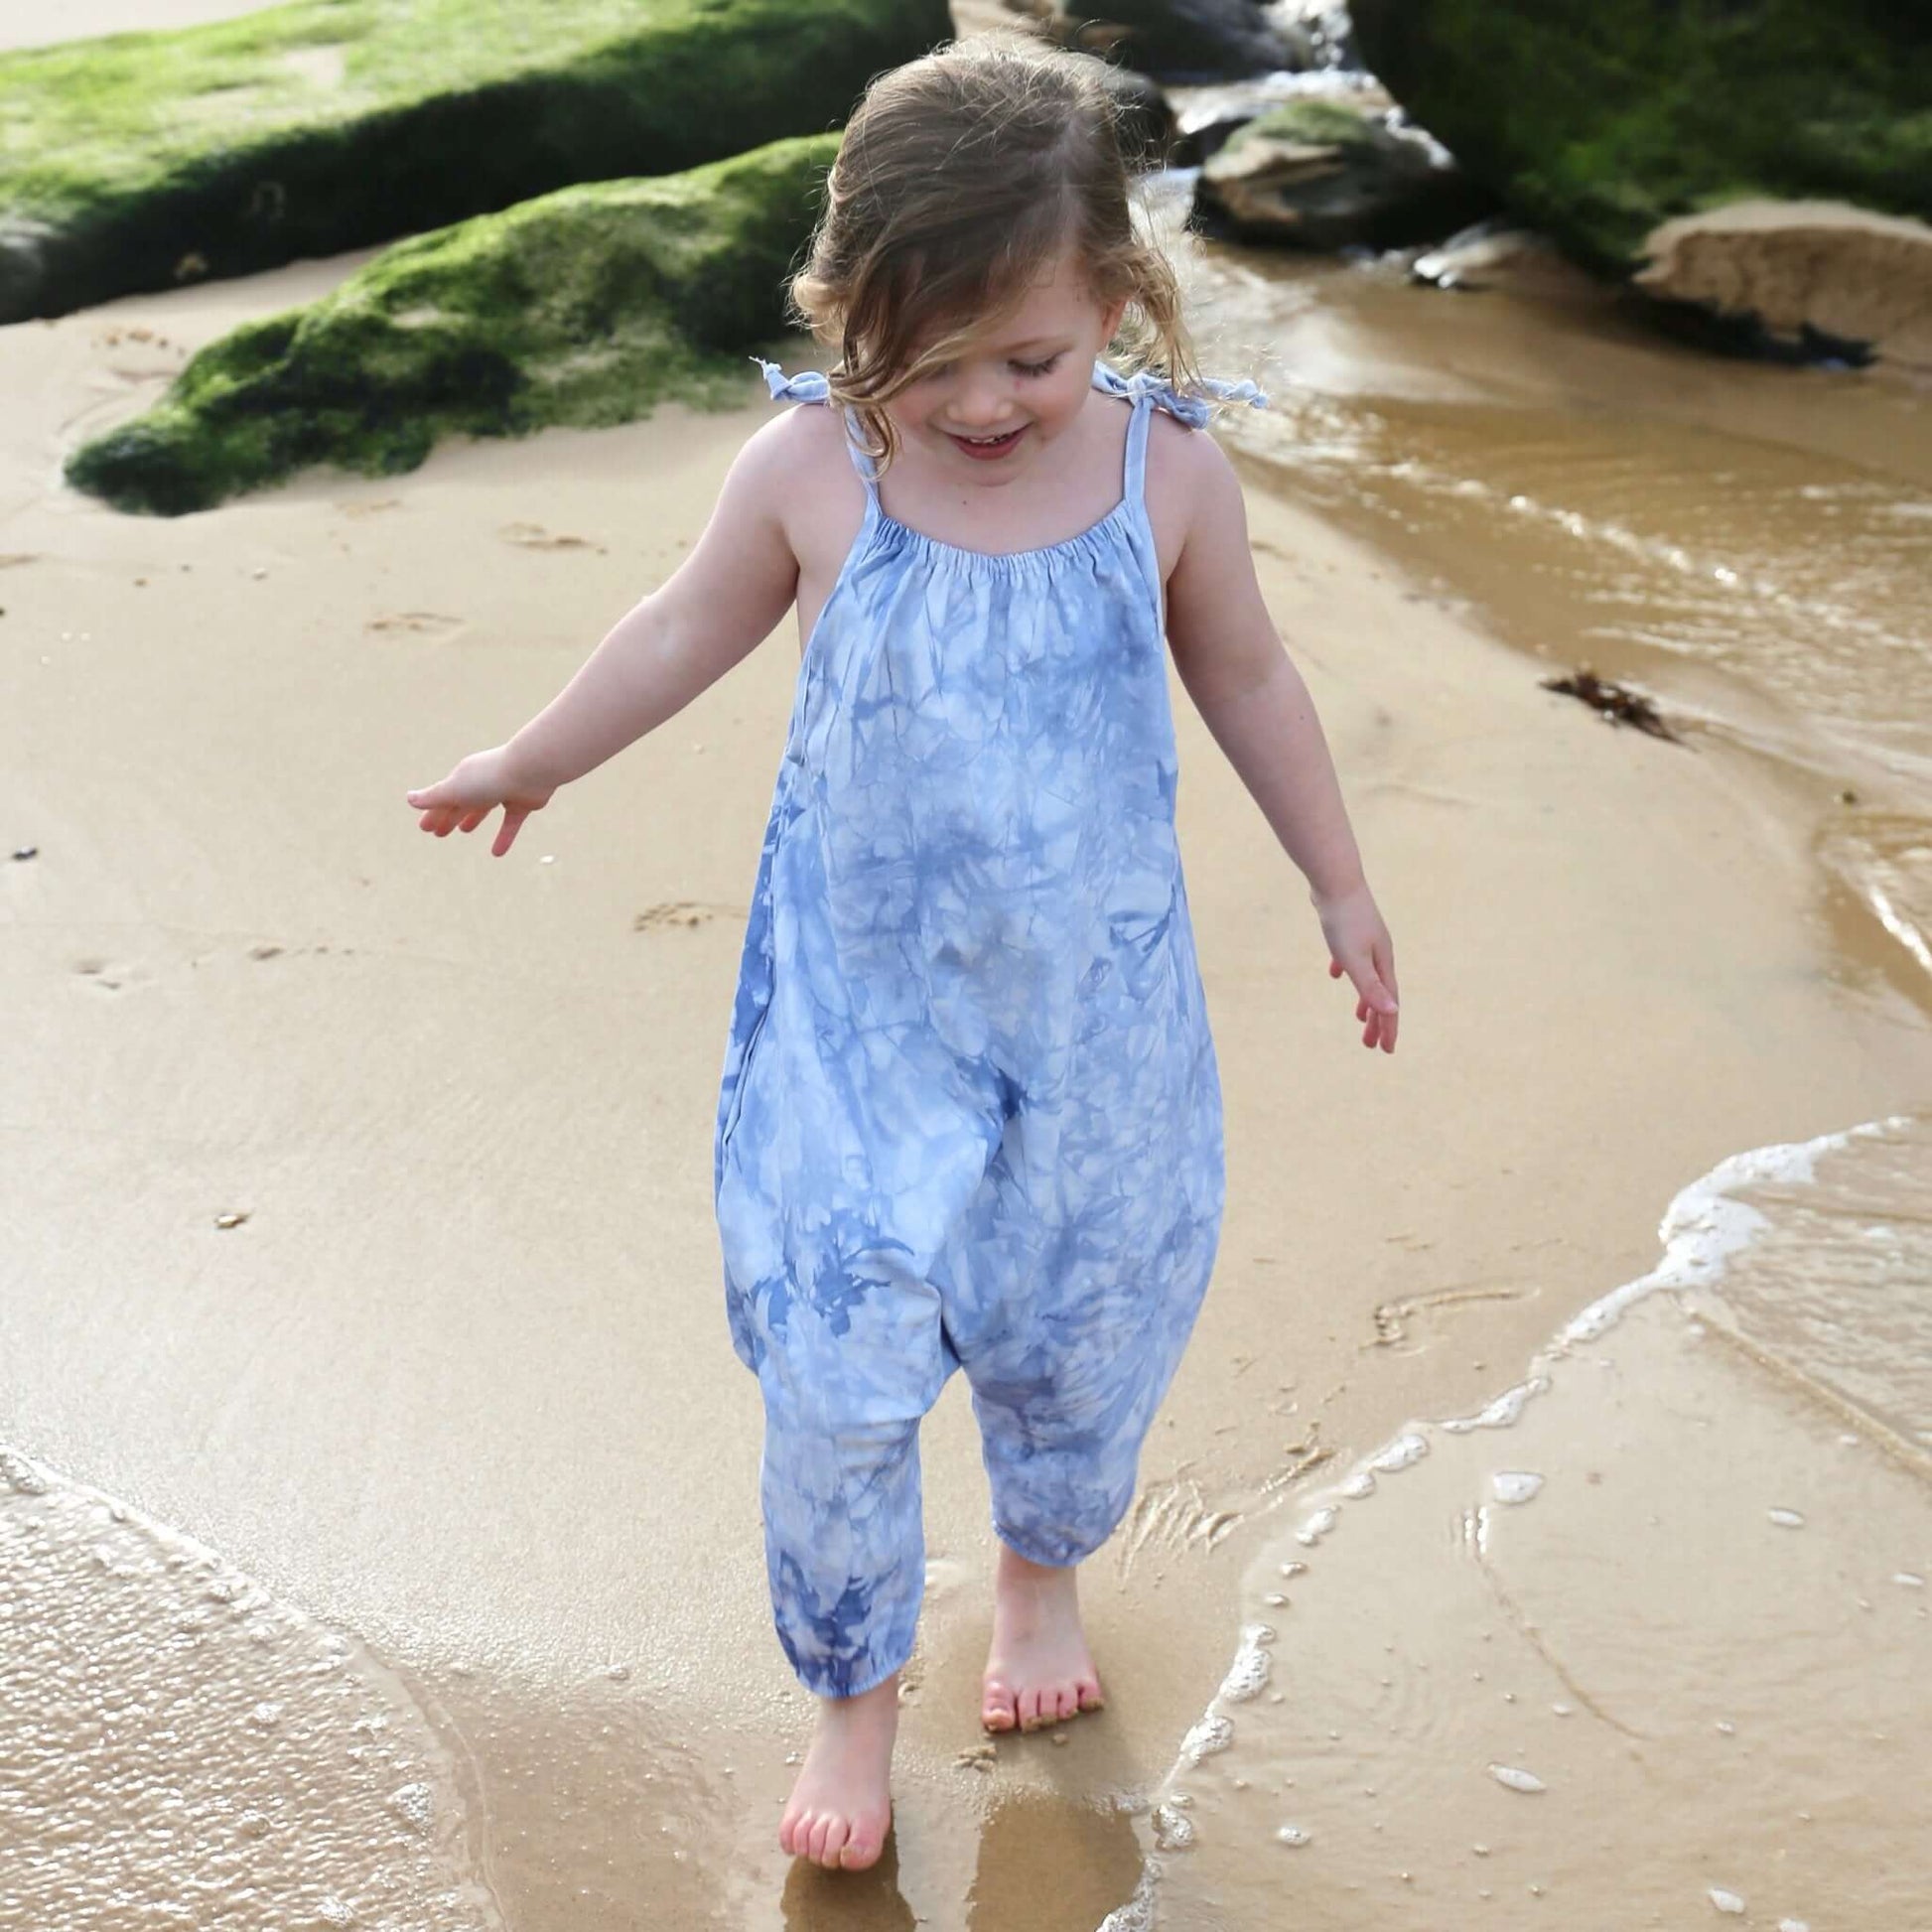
1360 946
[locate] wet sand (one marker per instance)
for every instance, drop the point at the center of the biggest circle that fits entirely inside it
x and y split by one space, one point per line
452 1417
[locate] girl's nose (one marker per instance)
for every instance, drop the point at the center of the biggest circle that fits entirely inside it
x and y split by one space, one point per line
980 401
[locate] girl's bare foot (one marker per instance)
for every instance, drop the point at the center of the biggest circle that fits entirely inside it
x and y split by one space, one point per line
841 1807
1039 1671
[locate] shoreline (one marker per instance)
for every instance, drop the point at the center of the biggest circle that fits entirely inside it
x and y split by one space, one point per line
472 1329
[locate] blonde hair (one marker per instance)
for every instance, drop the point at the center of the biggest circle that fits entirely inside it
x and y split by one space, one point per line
959 178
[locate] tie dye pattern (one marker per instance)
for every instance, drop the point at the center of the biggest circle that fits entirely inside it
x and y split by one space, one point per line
970 1114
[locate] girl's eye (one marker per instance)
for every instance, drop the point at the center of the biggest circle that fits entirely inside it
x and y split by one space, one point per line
1037 368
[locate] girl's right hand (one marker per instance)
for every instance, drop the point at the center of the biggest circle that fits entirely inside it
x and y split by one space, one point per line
482 782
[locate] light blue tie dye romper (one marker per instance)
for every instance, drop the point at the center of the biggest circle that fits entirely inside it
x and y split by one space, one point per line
970 1115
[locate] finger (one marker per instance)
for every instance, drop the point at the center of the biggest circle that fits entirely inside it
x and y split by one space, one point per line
1383 954
513 817
1377 990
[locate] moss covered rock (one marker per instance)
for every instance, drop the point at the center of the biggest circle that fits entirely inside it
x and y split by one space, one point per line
1597 123
146 159
588 306
1331 174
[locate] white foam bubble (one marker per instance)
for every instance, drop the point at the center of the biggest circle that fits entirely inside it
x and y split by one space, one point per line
1407 1448
1206 1736
1500 1412
1318 1526
1173 1830
1248 1675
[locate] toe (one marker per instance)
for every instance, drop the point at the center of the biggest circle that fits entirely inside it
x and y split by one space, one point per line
1065 1703
1090 1697
997 1707
813 1837
1027 1707
836 1834
863 1848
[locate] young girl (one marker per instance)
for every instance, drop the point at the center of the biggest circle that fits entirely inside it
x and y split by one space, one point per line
970 1116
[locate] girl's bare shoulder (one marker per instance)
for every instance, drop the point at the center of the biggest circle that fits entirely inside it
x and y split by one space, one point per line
1187 475
805 473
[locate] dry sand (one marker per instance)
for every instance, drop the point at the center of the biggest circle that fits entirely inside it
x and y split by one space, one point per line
461 1382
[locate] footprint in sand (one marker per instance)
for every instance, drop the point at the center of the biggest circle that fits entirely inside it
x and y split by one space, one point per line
533 536
421 623
103 972
677 911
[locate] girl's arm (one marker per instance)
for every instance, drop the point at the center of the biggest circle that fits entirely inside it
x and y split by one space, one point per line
1234 666
719 604
725 599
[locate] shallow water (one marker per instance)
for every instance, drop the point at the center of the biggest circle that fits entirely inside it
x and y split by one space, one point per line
1644 1638
1751 545
180 1748
1726 1650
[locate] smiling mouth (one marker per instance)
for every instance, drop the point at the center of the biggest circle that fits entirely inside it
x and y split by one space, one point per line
987 446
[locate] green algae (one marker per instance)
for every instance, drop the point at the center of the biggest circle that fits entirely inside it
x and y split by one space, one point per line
587 307
1598 122
1310 123
141 160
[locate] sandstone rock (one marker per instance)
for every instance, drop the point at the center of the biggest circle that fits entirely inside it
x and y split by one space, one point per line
1801 272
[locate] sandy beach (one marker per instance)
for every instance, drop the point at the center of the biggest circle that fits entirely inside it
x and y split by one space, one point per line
380 1508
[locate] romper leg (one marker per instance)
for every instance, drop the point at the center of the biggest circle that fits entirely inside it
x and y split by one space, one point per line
1076 1284
1063 1420
844 1548
847 1377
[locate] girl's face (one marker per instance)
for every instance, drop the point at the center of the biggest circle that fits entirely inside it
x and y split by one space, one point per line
1015 385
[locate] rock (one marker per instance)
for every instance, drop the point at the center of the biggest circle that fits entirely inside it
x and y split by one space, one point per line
1808 277
1178 39
1326 174
1206 117
313 127
1487 254
588 306
1596 124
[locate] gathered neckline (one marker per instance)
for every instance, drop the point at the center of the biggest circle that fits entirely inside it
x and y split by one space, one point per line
1081 539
